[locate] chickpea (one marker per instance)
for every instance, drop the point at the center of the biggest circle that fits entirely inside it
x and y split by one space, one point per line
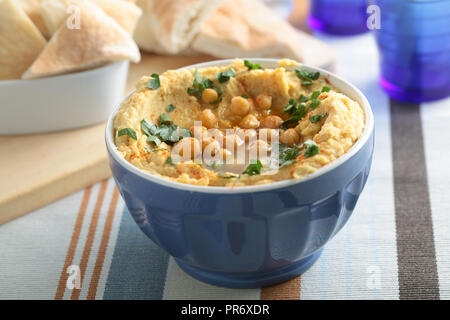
267 134
259 147
187 148
249 122
199 132
248 135
273 122
209 95
264 101
232 142
225 156
240 106
217 135
290 137
208 118
210 148
206 141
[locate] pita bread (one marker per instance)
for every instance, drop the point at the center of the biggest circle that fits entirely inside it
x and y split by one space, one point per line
100 39
248 28
144 34
125 13
54 12
20 41
32 9
170 26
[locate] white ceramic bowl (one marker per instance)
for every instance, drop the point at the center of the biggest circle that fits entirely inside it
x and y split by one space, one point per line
61 102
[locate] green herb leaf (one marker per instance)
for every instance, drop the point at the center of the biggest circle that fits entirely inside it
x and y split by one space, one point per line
169 161
305 75
326 89
154 139
164 118
245 96
291 107
287 155
154 83
167 132
314 95
186 133
198 86
311 148
196 77
314 104
128 132
297 115
170 108
225 75
149 128
317 117
253 168
252 66
303 98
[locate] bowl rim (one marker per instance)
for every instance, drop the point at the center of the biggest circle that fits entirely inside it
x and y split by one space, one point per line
66 76
270 63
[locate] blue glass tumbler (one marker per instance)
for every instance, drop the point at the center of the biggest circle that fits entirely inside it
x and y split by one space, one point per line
414 44
338 17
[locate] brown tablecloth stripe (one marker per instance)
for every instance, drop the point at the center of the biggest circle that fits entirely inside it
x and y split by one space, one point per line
417 270
288 290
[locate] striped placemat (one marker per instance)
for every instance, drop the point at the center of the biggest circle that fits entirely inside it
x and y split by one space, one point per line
395 246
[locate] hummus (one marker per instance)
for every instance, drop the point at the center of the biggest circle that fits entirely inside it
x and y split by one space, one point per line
257 125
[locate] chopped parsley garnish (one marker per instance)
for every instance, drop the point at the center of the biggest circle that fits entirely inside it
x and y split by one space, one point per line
315 94
253 168
311 148
166 132
225 75
148 127
303 98
164 119
198 86
317 117
291 107
252 66
154 139
154 83
297 112
314 103
287 155
128 132
219 98
169 161
307 76
245 96
170 108
326 89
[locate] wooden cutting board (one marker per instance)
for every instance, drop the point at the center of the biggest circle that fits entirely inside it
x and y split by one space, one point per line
36 170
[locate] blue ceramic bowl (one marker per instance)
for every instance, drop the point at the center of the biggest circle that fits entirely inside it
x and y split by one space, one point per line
248 236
